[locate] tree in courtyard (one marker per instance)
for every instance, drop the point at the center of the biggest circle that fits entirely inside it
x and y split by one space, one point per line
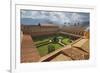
55 39
51 48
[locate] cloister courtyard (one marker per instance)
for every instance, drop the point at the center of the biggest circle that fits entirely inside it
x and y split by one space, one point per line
48 36
48 44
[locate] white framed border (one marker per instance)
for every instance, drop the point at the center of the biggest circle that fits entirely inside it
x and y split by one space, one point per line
15 38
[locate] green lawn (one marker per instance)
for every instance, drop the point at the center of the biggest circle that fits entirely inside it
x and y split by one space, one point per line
66 41
42 42
43 50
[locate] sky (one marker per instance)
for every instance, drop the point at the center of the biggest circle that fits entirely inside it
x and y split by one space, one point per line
32 17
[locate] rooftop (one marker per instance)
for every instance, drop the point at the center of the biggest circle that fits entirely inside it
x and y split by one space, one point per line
29 52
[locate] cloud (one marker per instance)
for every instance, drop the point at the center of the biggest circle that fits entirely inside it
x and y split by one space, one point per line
56 17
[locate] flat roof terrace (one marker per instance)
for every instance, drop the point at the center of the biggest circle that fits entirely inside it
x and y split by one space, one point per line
29 52
83 44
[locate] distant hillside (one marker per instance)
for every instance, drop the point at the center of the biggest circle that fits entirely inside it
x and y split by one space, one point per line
30 21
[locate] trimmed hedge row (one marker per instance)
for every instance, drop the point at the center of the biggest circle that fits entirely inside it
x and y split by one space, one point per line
42 43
